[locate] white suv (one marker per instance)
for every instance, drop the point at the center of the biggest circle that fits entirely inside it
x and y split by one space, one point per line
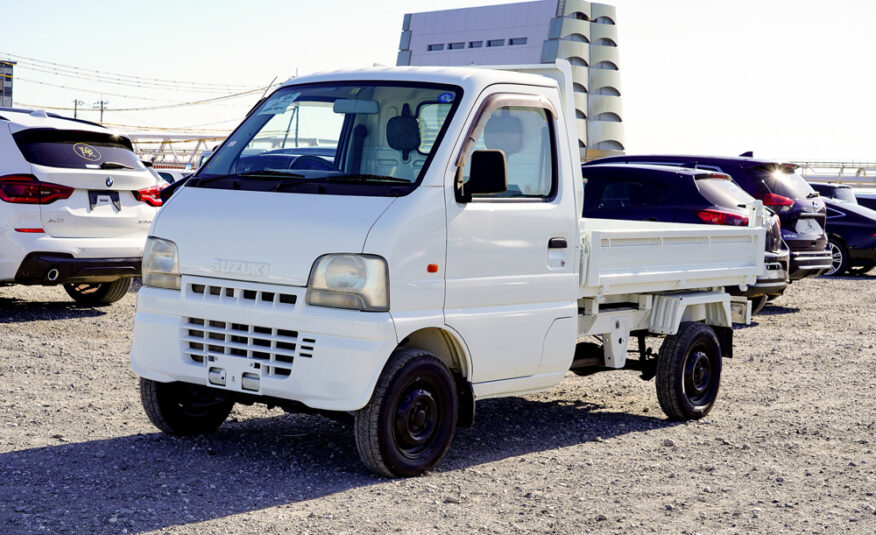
75 206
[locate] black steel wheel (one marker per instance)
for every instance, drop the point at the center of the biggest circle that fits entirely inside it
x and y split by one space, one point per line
689 372
98 293
182 408
757 303
839 257
408 425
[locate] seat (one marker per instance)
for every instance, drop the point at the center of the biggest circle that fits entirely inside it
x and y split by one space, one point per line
403 132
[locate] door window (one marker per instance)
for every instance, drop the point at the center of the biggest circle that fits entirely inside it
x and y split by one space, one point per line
525 136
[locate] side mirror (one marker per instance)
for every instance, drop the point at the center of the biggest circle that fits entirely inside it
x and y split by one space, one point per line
488 175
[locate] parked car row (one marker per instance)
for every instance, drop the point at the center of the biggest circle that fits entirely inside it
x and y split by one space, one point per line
816 228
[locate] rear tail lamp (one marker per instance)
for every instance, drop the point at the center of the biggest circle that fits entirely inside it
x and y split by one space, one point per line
717 217
150 195
777 202
25 189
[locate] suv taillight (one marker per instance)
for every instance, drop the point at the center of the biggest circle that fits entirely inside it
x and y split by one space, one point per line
717 217
150 195
25 189
778 202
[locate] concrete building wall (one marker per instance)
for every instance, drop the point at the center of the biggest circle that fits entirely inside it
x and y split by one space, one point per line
584 33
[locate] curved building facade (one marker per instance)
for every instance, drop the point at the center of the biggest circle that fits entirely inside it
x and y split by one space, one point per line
584 33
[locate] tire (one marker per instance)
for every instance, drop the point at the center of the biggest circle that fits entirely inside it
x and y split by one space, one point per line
757 303
839 257
183 409
98 293
408 425
861 270
689 372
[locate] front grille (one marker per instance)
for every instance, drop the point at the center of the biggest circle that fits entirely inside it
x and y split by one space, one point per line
274 349
226 293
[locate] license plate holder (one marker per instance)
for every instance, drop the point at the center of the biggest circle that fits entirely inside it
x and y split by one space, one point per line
102 198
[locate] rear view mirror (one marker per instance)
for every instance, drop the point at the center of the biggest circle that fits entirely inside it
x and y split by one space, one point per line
488 175
348 105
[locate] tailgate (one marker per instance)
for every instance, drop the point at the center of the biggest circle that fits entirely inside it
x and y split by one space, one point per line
637 257
102 204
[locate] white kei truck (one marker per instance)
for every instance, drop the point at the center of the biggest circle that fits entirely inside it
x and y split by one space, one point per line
398 243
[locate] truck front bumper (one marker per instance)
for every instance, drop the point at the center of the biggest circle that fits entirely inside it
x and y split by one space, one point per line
262 340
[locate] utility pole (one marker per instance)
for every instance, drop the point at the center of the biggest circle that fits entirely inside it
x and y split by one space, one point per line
76 104
101 105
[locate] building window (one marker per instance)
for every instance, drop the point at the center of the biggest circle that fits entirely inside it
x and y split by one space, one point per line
604 20
517 41
475 44
496 42
456 46
432 48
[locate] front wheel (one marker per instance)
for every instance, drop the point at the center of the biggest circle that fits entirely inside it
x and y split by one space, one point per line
407 426
184 409
98 293
689 372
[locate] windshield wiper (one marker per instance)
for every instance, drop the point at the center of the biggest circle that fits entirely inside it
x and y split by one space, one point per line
270 172
358 177
114 165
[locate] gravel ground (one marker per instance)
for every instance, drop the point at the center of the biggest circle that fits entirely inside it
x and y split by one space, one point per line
788 447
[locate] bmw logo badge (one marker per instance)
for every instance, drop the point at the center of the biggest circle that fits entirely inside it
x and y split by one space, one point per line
109 182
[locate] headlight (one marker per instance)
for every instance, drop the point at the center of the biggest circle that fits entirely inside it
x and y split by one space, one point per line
160 264
358 282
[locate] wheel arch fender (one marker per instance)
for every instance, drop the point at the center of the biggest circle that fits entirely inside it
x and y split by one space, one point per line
451 350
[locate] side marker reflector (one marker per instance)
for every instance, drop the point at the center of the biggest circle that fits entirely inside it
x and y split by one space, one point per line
30 230
432 268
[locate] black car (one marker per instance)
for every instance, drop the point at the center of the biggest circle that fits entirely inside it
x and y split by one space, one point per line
684 195
780 187
866 198
851 230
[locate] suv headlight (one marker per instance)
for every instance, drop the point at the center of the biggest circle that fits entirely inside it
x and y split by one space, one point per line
160 264
358 282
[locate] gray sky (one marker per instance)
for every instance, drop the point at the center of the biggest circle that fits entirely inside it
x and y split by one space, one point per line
785 78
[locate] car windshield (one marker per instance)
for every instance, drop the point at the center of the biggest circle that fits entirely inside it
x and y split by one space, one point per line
844 194
786 181
358 135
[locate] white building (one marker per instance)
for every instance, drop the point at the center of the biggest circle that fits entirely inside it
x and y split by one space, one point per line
585 33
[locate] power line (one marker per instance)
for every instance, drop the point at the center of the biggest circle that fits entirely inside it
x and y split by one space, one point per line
118 76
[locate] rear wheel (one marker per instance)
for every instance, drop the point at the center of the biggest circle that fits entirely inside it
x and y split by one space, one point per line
689 372
98 293
407 426
839 257
757 303
184 409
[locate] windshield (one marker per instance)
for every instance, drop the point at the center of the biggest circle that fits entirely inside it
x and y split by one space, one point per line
343 136
845 194
786 181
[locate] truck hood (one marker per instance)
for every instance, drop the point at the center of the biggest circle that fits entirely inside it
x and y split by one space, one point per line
263 236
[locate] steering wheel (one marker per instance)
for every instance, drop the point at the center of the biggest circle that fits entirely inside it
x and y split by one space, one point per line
309 161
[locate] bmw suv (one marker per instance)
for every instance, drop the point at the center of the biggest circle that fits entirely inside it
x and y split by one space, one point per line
76 205
781 188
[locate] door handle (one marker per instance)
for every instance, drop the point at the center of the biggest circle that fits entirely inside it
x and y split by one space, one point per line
557 243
